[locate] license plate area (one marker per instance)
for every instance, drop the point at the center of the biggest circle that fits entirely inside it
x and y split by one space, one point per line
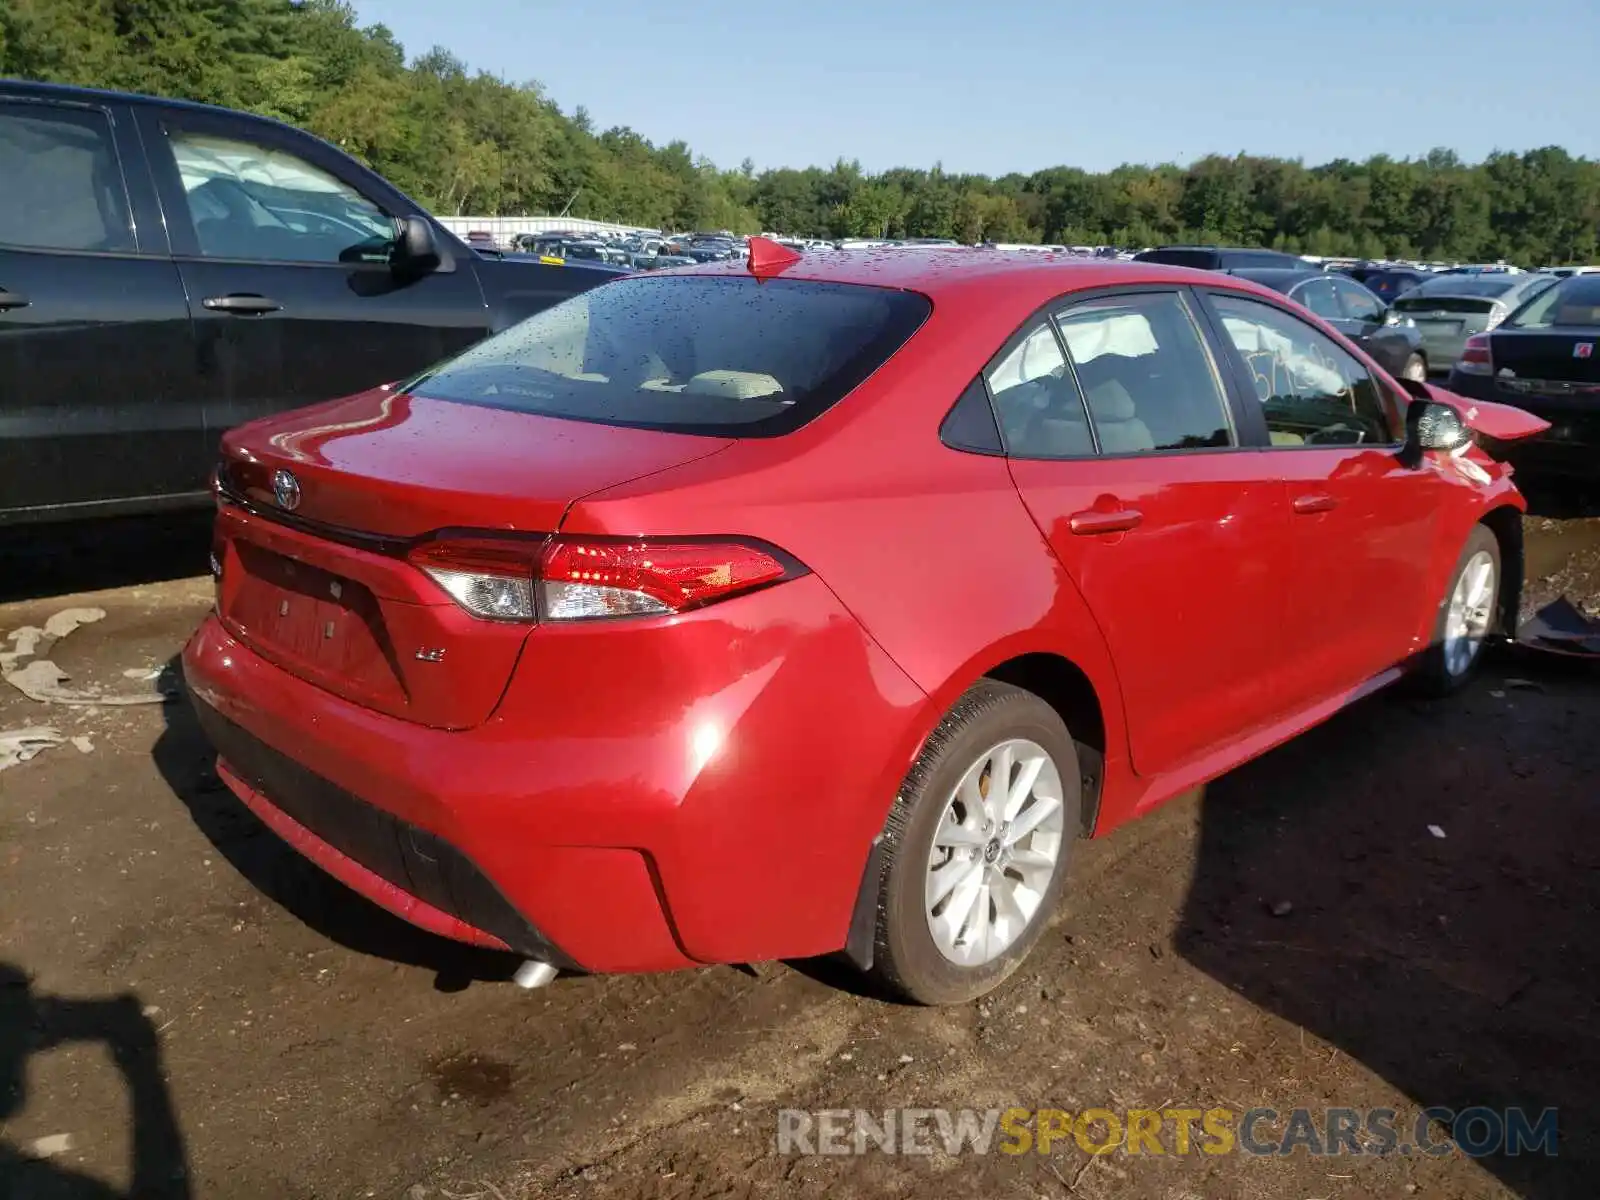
311 621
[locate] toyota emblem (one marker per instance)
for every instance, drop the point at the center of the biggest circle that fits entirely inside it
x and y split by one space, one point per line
286 490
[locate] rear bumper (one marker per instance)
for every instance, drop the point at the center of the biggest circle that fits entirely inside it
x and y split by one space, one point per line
674 793
406 870
1569 451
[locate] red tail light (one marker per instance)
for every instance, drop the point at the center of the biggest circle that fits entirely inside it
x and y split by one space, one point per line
1475 359
574 579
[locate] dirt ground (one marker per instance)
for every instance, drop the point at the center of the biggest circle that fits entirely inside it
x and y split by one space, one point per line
187 1009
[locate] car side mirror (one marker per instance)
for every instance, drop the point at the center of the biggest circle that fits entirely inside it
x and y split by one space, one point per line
416 250
1432 426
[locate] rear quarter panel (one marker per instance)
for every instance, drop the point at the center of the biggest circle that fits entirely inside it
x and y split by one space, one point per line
929 548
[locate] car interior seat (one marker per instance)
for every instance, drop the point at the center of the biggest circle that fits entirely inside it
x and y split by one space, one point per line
1116 419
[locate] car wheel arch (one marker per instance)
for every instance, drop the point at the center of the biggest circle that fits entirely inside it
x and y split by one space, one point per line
1086 708
1067 688
1501 514
1505 522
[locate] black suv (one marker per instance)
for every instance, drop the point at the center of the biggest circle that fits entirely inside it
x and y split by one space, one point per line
1222 258
168 270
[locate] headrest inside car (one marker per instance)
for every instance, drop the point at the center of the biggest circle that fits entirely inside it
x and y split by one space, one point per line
1110 401
733 385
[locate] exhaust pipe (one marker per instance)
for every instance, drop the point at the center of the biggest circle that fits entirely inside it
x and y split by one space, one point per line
533 974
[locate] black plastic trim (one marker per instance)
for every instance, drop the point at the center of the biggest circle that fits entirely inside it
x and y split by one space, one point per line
859 944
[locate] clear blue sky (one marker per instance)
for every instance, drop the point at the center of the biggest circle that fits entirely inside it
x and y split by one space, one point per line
997 87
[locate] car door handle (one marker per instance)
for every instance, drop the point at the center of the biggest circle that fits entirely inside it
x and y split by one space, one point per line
1092 521
12 300
242 303
1316 502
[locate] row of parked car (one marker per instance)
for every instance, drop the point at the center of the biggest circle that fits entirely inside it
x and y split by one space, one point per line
1415 322
634 252
1488 332
170 270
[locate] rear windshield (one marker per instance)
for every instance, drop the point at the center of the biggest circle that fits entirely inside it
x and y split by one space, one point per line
1204 259
1390 284
731 356
1573 301
1467 285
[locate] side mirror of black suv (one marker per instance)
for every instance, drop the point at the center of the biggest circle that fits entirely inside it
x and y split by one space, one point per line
416 250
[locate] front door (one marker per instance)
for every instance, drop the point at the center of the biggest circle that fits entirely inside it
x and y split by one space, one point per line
1362 523
97 406
286 261
1125 452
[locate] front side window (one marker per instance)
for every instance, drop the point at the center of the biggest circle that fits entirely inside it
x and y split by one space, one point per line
250 201
727 355
60 185
1311 391
1145 374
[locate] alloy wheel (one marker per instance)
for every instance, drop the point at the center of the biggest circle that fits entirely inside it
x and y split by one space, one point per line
995 853
1470 613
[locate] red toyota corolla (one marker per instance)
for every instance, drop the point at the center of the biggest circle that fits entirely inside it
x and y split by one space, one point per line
778 608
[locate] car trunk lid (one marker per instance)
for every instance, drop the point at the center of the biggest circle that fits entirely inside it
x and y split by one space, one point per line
314 575
1558 362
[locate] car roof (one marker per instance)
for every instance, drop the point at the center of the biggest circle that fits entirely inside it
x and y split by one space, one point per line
68 91
947 272
1474 284
1280 278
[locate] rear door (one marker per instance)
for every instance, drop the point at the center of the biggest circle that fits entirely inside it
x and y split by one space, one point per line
1356 579
284 248
1127 456
97 400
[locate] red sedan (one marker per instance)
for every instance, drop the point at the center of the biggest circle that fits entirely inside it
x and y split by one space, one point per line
799 605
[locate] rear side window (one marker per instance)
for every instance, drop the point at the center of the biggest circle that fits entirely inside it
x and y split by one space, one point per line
733 356
60 185
1145 374
1041 414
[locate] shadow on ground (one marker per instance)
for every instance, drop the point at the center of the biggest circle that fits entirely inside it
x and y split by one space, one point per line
1462 969
31 1024
86 556
187 763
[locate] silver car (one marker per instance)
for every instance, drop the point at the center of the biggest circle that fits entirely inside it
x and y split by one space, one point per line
1448 309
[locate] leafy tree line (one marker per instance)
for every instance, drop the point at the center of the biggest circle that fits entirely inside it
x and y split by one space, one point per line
469 142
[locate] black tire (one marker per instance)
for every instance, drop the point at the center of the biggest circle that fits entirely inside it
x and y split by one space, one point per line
1434 676
906 960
